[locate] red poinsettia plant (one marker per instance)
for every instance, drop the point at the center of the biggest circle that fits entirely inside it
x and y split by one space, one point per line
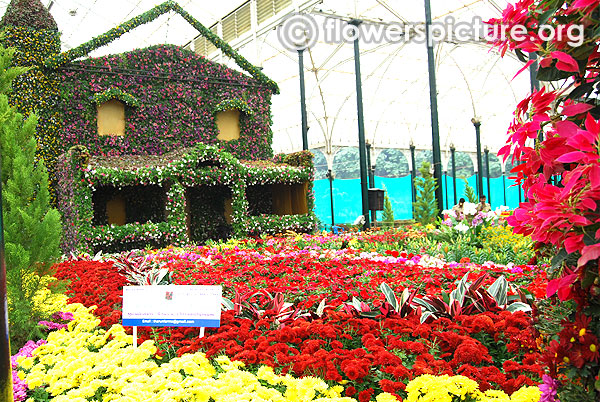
555 136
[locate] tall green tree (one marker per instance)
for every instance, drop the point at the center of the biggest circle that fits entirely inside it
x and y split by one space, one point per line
388 212
32 230
425 206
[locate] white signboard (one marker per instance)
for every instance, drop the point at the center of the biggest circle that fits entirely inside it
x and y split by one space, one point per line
172 306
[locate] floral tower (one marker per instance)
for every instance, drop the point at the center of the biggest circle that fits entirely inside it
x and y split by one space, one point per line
29 28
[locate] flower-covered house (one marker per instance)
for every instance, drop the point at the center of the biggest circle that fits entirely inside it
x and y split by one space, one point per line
154 146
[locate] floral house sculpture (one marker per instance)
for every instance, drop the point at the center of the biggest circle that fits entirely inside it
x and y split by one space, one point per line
156 145
186 195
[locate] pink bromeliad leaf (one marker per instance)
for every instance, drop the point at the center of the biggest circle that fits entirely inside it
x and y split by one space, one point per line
564 293
579 220
552 287
566 128
594 176
565 62
579 4
588 202
582 142
574 156
505 152
574 243
589 253
561 286
546 62
576 108
525 67
592 125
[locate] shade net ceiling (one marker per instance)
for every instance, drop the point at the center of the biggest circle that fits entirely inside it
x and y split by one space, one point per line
472 81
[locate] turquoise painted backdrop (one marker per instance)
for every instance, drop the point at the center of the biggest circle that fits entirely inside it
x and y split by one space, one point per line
347 197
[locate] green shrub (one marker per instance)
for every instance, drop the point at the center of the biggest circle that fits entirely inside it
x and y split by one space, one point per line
32 229
470 193
425 205
388 212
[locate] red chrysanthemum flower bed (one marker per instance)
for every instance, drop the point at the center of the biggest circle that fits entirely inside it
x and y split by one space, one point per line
497 349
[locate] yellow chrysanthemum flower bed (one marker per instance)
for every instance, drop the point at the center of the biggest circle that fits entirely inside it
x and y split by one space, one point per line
503 236
84 361
45 303
431 388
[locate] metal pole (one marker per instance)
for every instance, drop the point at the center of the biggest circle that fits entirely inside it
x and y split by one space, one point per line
452 151
362 149
446 188
371 170
370 167
303 100
477 125
435 129
504 187
330 177
413 176
373 213
6 386
487 174
535 84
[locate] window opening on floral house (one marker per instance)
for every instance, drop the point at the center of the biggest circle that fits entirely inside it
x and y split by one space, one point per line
290 199
111 118
130 204
260 200
228 124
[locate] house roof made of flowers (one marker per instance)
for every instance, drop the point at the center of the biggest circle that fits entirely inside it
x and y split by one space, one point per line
134 162
199 165
150 15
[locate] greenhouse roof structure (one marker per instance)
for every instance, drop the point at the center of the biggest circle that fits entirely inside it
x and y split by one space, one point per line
472 80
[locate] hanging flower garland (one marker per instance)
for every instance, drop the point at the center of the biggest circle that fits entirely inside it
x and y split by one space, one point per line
115 93
232 104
